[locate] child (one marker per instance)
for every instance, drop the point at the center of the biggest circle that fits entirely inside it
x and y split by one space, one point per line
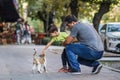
57 36
65 68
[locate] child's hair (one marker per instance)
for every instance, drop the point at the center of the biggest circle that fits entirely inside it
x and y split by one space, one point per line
52 28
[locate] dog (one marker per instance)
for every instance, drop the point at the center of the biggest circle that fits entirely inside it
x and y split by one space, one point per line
39 63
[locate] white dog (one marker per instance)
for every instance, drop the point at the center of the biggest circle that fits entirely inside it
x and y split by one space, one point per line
39 63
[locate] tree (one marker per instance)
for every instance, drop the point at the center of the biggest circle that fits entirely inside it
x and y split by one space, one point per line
113 15
46 10
38 9
74 7
103 9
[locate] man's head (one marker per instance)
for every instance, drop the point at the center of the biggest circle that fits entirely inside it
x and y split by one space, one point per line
70 20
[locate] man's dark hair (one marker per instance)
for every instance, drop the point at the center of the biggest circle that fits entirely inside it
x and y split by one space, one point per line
52 28
70 18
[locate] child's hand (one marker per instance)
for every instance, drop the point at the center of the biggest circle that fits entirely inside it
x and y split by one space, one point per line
42 53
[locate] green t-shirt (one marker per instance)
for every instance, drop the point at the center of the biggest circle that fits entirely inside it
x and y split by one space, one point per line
61 37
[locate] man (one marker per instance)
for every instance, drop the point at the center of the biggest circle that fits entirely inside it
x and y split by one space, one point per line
26 33
88 49
19 27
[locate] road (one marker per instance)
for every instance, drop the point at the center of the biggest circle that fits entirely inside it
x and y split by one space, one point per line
16 64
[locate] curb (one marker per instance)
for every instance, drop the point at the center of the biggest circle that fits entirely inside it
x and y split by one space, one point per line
113 69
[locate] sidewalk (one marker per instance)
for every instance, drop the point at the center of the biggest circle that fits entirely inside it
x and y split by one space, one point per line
23 59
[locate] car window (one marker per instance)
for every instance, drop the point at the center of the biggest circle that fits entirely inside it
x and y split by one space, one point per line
113 27
104 27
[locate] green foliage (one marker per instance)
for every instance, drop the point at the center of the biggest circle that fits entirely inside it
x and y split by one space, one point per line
45 40
87 8
107 17
36 24
100 1
47 5
60 7
113 15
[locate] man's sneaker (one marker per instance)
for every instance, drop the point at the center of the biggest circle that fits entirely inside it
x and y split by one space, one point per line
96 69
74 72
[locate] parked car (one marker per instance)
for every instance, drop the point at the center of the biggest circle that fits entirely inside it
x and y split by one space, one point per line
110 34
99 27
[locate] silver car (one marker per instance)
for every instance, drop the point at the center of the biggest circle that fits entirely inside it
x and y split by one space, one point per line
110 34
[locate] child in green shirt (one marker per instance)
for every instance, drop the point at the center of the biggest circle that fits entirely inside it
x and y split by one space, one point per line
57 36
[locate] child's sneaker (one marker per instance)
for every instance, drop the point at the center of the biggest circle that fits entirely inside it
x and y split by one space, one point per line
64 70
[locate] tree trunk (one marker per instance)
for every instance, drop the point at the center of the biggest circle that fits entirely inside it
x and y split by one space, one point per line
104 8
62 27
45 24
74 7
47 18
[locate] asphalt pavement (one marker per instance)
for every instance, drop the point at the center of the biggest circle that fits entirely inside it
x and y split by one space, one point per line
16 64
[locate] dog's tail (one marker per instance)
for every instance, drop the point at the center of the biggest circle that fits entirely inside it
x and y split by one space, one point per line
35 52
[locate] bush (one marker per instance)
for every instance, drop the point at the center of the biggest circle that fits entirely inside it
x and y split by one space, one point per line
47 39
